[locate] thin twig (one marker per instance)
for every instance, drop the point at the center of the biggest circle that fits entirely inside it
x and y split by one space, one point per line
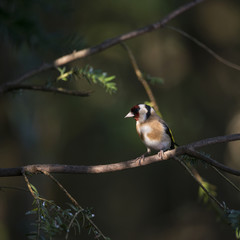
63 189
74 202
206 48
71 222
37 201
227 179
199 183
100 47
28 184
49 89
141 78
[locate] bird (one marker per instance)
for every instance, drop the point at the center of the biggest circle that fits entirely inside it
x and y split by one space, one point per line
152 129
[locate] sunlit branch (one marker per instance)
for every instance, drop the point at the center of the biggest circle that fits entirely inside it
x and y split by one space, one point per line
141 78
8 86
188 149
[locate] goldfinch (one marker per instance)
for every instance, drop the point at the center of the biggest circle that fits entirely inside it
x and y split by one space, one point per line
152 130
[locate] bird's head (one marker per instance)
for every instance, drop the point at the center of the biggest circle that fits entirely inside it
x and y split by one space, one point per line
140 112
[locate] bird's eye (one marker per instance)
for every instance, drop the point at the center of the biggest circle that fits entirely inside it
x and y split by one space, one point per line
135 109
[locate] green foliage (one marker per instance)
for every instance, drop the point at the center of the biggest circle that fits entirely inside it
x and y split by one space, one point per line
233 217
92 75
193 161
210 188
190 160
51 220
96 76
64 76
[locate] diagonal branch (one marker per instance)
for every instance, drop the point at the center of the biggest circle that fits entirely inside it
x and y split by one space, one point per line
206 48
141 78
199 182
78 169
211 161
100 47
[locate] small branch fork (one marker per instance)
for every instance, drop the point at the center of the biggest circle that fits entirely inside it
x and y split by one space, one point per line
189 149
17 83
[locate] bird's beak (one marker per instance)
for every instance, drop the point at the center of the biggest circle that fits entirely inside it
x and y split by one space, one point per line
130 114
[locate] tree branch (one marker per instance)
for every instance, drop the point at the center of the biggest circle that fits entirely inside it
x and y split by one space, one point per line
206 48
77 169
199 182
100 47
49 89
211 161
141 78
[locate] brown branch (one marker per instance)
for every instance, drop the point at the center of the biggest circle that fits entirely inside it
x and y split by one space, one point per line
214 140
49 89
74 201
211 161
100 47
141 78
77 169
63 189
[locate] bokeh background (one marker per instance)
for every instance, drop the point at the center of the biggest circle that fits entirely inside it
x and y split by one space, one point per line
200 98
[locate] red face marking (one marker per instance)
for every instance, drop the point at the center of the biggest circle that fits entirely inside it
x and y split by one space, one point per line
135 111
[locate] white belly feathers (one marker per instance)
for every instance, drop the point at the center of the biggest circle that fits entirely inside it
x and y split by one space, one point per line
153 138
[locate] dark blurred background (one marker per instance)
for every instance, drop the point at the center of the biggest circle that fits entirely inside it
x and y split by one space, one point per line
200 98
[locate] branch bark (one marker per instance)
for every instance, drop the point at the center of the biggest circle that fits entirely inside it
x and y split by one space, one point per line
8 86
77 169
141 78
49 89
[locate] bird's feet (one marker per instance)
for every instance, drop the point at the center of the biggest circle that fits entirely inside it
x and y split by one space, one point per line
141 158
161 154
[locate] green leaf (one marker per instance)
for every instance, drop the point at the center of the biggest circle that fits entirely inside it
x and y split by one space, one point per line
34 190
64 76
33 211
237 232
96 76
210 188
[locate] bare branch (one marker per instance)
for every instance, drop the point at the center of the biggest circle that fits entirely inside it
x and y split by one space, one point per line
141 78
214 140
211 161
77 169
76 204
206 48
49 89
226 179
100 47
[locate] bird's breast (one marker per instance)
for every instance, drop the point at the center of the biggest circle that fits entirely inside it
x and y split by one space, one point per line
153 135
